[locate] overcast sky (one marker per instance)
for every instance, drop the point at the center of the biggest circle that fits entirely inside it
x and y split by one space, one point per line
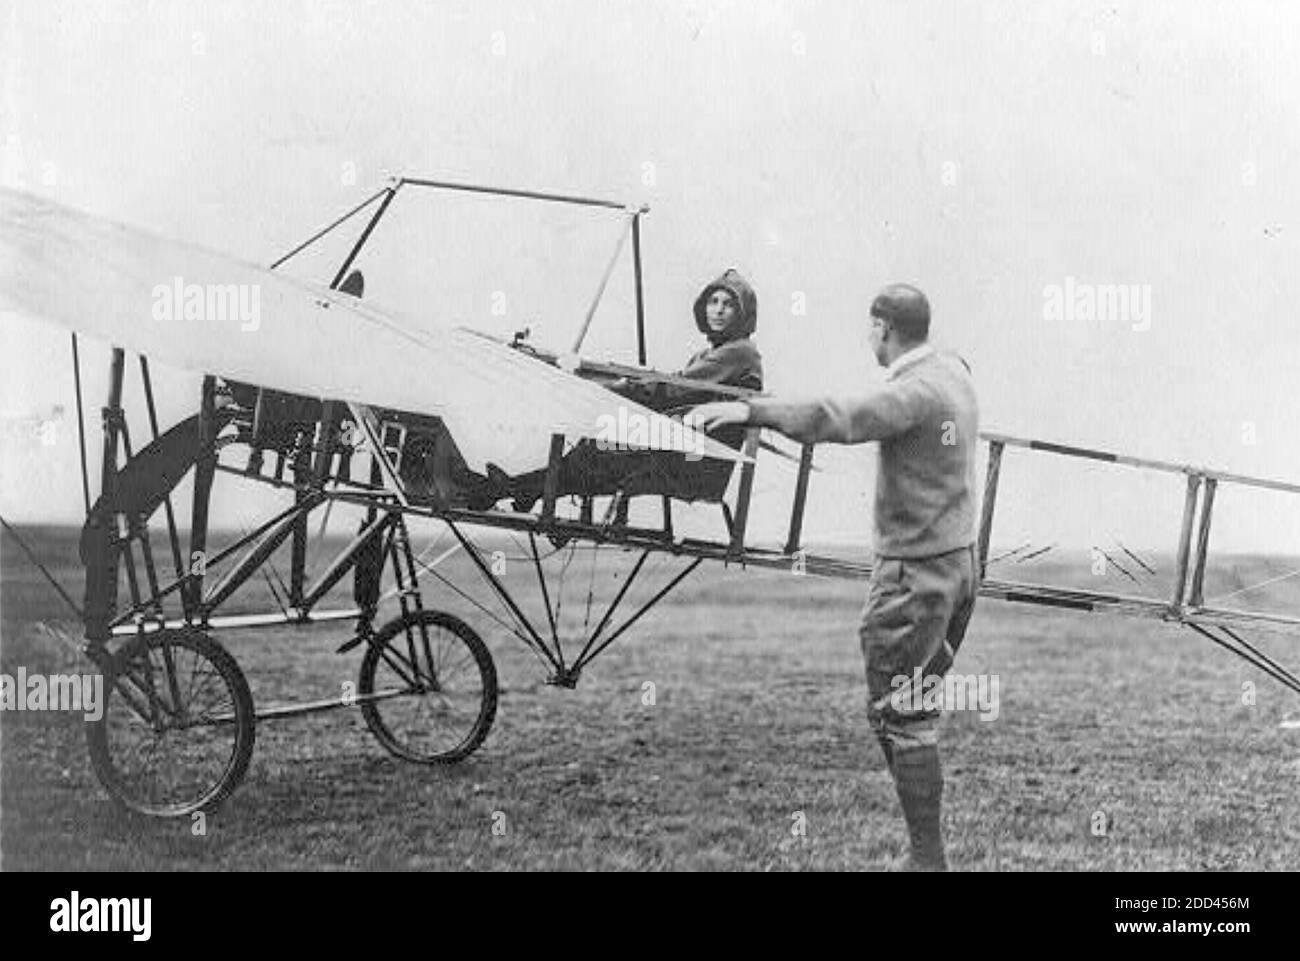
983 151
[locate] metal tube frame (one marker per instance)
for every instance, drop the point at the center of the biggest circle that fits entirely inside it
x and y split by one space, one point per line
388 519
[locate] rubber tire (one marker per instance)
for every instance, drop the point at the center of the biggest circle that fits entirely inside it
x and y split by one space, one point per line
245 724
370 710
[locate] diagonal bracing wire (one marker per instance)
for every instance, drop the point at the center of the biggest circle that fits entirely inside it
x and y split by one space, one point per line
1255 657
534 640
1005 555
31 556
284 609
509 628
1253 587
1117 565
1038 553
1137 560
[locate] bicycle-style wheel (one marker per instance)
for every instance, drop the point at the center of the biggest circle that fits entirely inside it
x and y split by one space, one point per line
177 728
428 688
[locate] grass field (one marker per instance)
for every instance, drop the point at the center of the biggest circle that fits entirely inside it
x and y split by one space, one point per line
758 715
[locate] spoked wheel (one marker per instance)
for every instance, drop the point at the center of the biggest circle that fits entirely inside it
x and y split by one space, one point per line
177 729
428 688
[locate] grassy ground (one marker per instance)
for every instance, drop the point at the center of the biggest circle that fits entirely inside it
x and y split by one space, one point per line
758 716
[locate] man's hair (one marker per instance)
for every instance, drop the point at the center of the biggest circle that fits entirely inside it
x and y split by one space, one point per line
906 308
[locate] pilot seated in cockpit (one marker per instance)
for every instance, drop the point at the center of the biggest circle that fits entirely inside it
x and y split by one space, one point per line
726 312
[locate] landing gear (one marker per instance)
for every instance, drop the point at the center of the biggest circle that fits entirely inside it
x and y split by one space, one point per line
177 728
428 688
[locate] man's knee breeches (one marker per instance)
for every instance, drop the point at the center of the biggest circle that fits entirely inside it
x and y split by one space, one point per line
914 620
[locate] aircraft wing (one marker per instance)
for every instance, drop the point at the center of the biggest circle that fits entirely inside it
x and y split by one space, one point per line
120 284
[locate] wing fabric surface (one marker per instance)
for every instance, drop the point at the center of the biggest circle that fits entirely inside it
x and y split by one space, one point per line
104 280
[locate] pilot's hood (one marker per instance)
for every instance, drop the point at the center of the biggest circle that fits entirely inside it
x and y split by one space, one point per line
746 320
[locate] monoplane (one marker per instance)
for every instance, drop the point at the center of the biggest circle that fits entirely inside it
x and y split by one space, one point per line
402 417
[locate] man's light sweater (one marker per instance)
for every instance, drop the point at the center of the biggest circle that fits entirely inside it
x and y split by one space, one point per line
926 419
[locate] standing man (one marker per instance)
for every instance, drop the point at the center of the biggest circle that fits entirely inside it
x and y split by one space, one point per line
923 583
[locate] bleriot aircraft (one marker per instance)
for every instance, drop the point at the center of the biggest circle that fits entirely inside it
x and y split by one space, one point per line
404 418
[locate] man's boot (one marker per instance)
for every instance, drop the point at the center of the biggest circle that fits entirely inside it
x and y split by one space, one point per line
919 781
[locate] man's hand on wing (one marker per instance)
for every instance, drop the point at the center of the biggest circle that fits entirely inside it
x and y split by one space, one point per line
709 417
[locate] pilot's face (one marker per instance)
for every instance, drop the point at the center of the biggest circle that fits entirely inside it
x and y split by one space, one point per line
720 311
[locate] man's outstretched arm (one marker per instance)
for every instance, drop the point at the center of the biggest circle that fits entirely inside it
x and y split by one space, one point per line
882 413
